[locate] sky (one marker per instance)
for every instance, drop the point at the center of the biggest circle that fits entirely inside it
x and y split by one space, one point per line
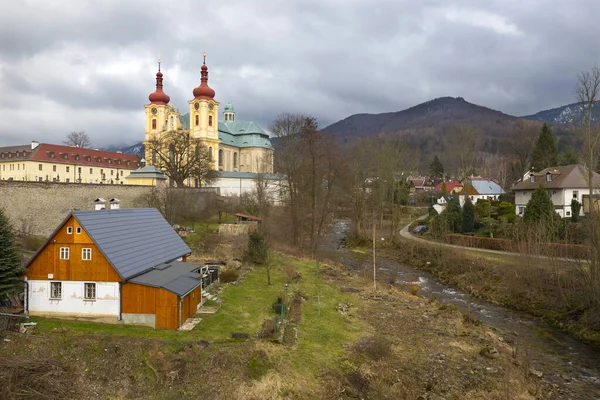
79 65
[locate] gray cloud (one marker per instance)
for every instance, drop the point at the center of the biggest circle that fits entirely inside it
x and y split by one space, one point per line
82 65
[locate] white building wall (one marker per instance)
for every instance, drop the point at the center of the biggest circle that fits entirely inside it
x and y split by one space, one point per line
239 186
72 301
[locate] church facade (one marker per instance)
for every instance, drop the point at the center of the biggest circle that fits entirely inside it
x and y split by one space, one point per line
234 146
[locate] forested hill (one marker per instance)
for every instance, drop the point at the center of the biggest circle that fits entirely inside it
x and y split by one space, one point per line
441 114
564 115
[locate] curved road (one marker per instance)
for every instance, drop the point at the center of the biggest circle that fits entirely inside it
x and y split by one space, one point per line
405 233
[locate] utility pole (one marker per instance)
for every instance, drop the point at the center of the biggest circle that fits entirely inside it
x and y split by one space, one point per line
374 267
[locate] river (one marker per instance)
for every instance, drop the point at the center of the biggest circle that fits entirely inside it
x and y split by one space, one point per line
564 361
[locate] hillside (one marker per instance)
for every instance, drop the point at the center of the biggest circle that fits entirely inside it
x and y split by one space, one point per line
564 115
441 114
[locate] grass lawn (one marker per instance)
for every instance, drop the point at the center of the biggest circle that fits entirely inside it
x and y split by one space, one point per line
245 305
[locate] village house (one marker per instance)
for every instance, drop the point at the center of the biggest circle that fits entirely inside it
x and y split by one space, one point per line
42 162
478 188
451 187
116 265
564 184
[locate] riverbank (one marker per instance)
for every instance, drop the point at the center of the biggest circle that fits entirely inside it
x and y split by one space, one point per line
351 342
549 288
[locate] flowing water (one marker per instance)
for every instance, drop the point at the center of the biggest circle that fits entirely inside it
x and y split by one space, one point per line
564 361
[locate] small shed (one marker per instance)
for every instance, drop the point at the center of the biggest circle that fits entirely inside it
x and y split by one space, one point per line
247 219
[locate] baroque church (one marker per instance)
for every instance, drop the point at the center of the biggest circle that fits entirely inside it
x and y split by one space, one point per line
234 146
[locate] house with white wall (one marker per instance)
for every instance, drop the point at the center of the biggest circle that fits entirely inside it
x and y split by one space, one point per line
119 264
564 184
481 189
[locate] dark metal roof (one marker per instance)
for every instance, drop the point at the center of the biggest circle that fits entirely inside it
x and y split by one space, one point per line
134 240
176 277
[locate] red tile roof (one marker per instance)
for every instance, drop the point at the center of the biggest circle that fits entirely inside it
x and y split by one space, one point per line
70 155
449 185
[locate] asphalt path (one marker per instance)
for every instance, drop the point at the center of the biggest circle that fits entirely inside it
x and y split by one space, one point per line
405 233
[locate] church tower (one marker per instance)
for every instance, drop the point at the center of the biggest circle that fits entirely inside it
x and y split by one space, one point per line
204 115
160 117
229 114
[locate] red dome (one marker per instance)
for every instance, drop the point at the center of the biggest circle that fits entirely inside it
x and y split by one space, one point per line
159 97
204 91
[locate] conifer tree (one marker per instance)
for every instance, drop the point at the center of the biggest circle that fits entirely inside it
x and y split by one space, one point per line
11 269
436 169
468 216
545 153
452 213
539 207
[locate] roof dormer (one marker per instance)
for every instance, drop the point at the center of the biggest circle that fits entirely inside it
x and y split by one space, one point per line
532 178
549 176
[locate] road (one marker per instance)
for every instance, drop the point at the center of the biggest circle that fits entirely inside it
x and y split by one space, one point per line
405 233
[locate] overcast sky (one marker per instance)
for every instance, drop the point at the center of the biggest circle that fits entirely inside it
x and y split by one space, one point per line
77 65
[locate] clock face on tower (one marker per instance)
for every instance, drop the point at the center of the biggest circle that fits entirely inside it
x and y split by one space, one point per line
153 110
210 106
196 106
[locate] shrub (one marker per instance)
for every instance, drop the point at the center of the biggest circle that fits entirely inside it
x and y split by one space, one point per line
374 347
267 329
258 249
258 365
229 275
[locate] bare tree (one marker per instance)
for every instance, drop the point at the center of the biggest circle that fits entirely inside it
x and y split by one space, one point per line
587 91
181 157
520 143
78 139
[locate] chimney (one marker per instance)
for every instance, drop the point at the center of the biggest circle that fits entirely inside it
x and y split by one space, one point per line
34 144
99 204
114 203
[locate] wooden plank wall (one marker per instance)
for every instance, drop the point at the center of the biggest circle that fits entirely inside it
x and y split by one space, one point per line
167 310
48 261
139 299
190 304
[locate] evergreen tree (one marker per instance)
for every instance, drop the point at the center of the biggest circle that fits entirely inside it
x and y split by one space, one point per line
545 153
11 269
258 249
468 216
575 210
568 156
436 169
453 214
540 207
444 190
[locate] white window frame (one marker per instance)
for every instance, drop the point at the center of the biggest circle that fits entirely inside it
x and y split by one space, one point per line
52 286
86 254
69 230
92 286
64 253
78 230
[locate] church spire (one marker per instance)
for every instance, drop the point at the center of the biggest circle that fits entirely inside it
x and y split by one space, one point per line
159 97
204 91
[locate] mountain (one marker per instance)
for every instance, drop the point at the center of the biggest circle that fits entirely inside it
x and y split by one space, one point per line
441 114
565 115
137 149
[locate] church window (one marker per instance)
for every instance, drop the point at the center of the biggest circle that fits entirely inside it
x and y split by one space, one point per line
171 118
67 169
234 160
91 170
197 120
210 153
153 156
54 168
40 167
220 158
153 123
210 120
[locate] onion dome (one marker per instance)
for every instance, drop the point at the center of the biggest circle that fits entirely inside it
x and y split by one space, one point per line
204 91
229 107
159 97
